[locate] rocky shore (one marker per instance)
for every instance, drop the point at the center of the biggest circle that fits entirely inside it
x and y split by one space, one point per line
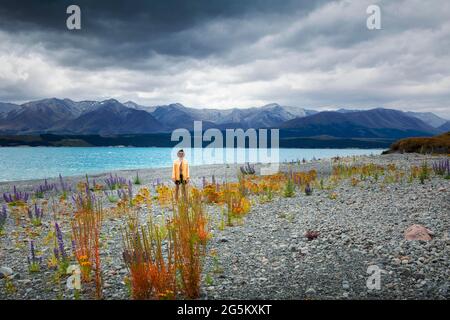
267 256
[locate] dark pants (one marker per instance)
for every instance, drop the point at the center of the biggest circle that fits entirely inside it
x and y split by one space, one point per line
183 183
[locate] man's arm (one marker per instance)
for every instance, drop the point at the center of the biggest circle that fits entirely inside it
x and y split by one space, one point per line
174 168
187 171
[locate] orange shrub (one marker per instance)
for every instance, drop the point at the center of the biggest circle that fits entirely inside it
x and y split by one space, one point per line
154 267
211 194
304 178
152 270
86 227
190 234
240 206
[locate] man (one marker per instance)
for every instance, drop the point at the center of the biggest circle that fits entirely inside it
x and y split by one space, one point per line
180 174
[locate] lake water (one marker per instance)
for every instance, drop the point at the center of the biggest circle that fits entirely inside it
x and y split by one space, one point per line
24 163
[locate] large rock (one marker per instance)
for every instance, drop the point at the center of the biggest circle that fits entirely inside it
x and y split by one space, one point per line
418 232
5 272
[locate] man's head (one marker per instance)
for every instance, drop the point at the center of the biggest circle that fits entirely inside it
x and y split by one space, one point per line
180 153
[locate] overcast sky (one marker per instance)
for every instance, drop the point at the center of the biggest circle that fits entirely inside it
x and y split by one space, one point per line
230 53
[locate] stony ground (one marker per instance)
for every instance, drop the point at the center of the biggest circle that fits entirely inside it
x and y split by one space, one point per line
266 255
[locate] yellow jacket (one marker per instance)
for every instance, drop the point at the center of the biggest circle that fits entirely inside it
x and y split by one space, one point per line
176 170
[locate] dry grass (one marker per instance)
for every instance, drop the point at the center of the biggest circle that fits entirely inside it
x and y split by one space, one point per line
152 266
191 234
86 228
165 258
438 144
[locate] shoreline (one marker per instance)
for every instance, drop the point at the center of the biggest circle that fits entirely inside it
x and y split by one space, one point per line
102 174
141 164
164 172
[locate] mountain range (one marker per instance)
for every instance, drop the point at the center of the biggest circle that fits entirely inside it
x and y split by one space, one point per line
111 117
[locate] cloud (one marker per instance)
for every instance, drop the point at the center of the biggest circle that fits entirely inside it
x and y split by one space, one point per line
230 53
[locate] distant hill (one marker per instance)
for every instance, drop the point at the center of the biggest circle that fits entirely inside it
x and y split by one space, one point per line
5 108
39 116
445 127
429 118
110 117
436 144
375 123
173 115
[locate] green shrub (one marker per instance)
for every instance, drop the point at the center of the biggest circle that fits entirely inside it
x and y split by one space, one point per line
289 189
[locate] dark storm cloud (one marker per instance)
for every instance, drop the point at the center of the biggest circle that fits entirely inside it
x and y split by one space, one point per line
127 32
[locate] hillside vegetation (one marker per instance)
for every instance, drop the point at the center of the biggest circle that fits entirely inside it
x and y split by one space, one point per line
437 144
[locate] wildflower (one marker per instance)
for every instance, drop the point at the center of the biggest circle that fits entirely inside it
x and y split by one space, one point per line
33 261
308 190
16 197
43 188
36 216
59 237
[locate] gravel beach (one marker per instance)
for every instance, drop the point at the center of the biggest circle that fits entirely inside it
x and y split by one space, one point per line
266 255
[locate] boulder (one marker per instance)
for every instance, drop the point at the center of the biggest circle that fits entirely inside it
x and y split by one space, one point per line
5 272
418 232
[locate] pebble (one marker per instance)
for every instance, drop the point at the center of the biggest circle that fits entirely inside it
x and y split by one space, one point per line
345 285
310 291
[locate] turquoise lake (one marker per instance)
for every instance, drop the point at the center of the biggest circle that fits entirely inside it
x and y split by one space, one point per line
24 163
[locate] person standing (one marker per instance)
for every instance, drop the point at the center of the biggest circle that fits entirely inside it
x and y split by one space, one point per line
180 174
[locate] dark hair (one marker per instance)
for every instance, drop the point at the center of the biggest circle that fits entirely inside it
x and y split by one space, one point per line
181 150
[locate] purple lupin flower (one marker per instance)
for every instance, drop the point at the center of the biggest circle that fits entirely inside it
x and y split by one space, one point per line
39 212
442 167
63 185
114 182
59 238
36 215
130 190
20 196
56 253
7 197
32 259
33 254
43 188
121 194
84 202
308 190
156 183
15 196
75 199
